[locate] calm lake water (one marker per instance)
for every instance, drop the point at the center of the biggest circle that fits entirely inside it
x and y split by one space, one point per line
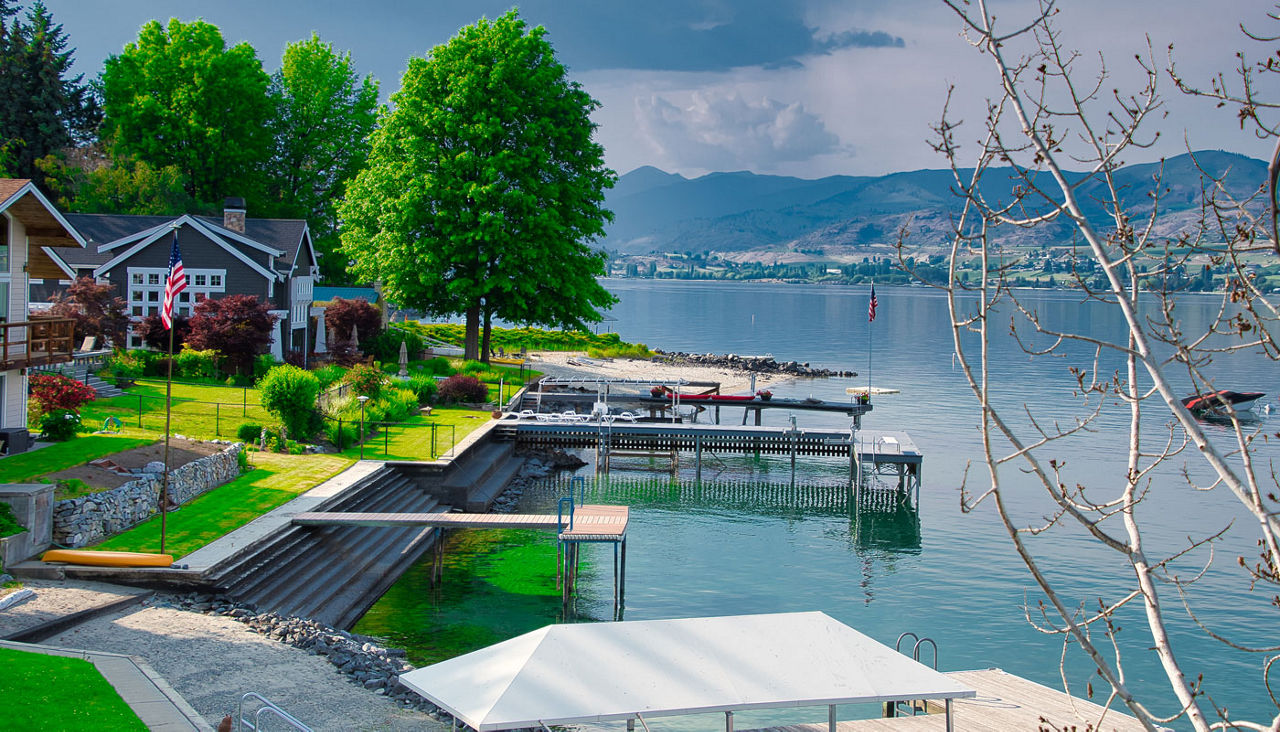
943 574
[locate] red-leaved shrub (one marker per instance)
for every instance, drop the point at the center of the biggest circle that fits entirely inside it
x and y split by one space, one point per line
55 391
462 388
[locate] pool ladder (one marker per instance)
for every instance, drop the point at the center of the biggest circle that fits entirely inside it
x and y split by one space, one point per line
911 708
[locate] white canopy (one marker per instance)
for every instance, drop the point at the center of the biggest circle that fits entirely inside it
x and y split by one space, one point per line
594 672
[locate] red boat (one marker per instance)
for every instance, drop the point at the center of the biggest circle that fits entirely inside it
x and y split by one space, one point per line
1213 402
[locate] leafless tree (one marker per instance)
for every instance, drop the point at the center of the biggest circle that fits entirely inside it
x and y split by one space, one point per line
1064 132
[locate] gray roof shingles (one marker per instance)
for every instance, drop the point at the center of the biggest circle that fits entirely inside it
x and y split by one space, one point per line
99 229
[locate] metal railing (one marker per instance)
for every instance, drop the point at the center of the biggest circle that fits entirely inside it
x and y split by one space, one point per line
266 707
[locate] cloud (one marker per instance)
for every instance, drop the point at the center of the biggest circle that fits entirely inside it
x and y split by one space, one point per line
720 131
691 35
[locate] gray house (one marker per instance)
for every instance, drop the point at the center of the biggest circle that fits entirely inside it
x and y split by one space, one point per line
233 255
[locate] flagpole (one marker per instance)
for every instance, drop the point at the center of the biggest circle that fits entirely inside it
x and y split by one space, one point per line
168 410
870 324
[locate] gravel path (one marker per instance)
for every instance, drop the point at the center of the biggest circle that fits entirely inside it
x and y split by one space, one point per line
55 599
213 660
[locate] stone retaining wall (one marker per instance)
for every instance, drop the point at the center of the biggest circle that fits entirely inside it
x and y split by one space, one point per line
89 519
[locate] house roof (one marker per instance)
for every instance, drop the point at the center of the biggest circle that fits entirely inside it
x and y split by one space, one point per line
598 672
101 230
46 226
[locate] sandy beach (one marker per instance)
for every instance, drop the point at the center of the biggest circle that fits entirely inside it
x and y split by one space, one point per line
578 365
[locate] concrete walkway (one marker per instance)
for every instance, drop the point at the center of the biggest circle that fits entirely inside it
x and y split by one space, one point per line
147 694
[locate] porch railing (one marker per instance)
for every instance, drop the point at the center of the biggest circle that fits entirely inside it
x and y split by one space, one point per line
36 342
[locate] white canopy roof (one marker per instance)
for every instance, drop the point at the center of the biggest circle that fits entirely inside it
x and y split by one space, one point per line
593 672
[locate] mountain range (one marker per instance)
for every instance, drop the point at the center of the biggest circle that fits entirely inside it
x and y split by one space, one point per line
743 212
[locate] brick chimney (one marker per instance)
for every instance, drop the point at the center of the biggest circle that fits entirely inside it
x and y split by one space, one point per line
233 214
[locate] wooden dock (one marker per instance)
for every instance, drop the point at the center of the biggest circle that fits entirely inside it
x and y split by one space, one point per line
593 520
1004 702
579 524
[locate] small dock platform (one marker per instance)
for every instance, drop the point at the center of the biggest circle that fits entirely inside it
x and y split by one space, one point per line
579 524
1004 702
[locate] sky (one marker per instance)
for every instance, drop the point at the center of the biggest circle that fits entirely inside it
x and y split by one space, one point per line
794 87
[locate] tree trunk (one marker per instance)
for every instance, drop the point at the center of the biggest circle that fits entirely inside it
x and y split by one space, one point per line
471 346
484 341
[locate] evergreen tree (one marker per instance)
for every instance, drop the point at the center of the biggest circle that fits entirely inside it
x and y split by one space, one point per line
41 110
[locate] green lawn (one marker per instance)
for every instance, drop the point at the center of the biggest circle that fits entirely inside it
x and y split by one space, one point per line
412 439
26 466
198 410
275 480
54 692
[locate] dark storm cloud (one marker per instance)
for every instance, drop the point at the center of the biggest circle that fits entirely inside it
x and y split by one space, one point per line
698 35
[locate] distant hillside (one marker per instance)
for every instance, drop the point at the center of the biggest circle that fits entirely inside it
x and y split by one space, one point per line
657 211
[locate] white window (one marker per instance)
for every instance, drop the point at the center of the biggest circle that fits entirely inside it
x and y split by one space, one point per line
136 278
153 278
215 280
200 280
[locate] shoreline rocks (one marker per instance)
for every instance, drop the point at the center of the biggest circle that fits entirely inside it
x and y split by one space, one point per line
756 364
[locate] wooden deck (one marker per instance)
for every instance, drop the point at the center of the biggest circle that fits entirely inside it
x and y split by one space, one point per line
589 522
1004 702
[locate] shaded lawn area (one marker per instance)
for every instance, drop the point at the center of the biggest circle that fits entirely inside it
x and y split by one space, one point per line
54 692
412 439
198 410
276 480
24 467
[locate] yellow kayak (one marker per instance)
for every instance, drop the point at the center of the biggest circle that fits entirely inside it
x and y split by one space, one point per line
93 558
506 361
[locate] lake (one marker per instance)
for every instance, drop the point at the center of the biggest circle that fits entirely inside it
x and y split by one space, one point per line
945 574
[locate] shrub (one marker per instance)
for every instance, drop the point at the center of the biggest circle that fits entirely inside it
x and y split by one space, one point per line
249 433
342 315
472 367
344 438
263 364
60 425
439 366
385 346
290 393
400 404
54 391
365 380
127 364
329 375
424 385
196 365
463 388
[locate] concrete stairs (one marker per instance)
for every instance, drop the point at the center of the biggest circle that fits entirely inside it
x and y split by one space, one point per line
81 373
486 473
334 573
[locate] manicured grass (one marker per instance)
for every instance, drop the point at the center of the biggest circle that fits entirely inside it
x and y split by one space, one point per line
54 692
275 480
411 439
198 410
26 466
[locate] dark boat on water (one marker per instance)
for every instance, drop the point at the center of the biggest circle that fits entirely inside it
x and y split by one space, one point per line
1214 403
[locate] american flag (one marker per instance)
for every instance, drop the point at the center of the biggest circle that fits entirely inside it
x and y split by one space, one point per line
176 283
871 309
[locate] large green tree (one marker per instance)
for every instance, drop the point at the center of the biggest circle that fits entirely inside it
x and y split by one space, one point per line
179 97
42 109
324 113
484 188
